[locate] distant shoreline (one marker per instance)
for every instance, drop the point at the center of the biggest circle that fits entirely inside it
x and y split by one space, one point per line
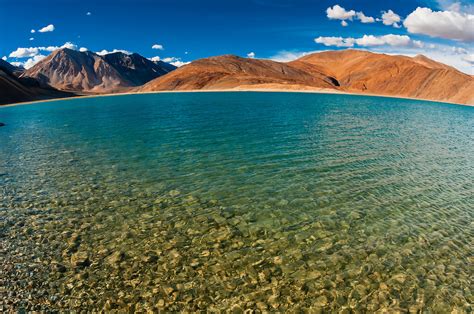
262 90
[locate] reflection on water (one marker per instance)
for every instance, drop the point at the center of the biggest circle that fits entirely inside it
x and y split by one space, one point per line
266 201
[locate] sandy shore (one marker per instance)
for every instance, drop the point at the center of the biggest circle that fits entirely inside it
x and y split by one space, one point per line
238 89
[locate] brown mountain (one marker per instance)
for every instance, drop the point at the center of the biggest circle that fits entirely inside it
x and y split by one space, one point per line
347 71
13 89
136 69
73 70
418 77
234 72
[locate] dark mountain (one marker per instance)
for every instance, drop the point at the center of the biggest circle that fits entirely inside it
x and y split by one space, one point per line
72 70
13 89
4 65
136 69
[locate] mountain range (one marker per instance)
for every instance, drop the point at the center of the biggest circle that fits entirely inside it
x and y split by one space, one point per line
14 89
88 72
351 71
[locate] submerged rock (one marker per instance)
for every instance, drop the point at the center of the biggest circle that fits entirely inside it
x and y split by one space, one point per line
115 259
80 259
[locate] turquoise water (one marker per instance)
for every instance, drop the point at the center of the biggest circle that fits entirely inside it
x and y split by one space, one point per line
266 201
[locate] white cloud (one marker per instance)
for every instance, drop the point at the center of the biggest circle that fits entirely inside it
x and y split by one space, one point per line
4 58
83 49
34 51
418 44
251 55
32 38
68 45
33 31
363 18
390 39
179 63
175 61
335 41
459 50
32 61
469 58
443 24
88 13
287 56
29 62
106 52
339 13
48 28
24 52
391 18
155 59
466 6
157 47
367 41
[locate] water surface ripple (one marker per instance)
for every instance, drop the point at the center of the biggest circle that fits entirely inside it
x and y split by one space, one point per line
211 201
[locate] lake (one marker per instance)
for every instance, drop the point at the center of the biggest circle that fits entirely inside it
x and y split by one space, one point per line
245 200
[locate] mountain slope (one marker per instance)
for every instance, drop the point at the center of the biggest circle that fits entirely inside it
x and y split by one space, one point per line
136 69
230 71
13 89
346 70
73 70
4 65
418 77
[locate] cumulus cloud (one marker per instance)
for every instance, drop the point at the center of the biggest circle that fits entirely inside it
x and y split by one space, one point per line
390 39
46 29
29 62
155 59
443 24
68 45
175 61
335 41
157 47
391 18
287 56
469 58
33 31
88 13
83 49
106 52
339 13
32 61
363 18
32 38
466 6
34 51
24 52
4 58
367 41
251 55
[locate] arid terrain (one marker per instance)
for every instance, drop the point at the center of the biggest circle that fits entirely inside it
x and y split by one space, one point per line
346 71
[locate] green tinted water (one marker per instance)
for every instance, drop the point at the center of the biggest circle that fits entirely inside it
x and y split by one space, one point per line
266 201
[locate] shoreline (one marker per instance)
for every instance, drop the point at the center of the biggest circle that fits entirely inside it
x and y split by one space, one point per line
262 90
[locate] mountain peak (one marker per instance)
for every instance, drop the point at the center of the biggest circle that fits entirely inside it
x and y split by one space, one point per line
69 69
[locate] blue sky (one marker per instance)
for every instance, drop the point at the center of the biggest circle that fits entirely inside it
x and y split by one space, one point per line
278 29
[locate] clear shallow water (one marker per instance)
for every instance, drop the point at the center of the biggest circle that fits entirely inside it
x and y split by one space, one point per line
268 201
